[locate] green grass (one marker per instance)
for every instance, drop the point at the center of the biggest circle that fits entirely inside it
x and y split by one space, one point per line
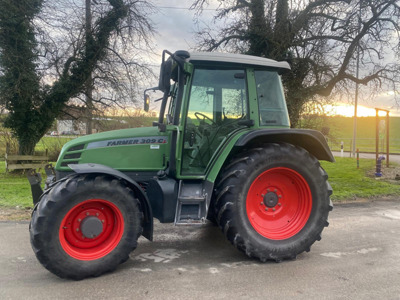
348 182
341 129
14 189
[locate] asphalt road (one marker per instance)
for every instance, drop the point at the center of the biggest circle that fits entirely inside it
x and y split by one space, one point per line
392 157
357 258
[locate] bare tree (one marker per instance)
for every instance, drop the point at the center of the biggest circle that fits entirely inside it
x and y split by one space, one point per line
116 77
54 58
319 38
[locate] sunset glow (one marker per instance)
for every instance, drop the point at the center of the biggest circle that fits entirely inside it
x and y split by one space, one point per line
347 110
339 109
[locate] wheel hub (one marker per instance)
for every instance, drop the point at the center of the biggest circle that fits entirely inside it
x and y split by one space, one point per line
279 203
270 199
91 227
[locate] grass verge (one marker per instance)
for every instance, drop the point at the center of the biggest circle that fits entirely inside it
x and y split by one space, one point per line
350 183
15 191
347 181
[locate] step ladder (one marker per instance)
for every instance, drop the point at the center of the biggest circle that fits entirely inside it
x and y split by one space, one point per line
191 205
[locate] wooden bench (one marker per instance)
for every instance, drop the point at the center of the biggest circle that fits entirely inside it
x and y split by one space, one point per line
24 162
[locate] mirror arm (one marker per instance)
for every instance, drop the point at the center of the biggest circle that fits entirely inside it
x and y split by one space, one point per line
155 88
161 126
162 108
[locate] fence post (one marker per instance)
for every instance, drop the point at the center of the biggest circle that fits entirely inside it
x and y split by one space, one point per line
341 149
6 155
387 139
350 151
358 159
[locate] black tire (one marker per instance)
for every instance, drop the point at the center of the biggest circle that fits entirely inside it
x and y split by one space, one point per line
211 215
97 197
233 200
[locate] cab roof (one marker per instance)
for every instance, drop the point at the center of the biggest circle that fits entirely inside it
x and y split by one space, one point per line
238 59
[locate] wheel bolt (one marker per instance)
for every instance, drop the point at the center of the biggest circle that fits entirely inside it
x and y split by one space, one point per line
77 229
279 204
87 213
280 196
266 209
97 214
79 220
262 195
261 203
102 221
273 209
268 190
275 190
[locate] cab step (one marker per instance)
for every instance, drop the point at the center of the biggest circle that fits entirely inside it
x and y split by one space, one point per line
191 204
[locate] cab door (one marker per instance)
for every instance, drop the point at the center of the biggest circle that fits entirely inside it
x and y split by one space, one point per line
217 104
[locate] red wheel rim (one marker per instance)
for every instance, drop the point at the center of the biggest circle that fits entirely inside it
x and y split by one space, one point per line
279 203
108 221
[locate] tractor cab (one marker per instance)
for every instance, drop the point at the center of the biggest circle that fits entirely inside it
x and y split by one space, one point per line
210 97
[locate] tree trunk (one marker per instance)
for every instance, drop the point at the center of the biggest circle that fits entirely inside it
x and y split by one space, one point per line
258 40
281 40
26 146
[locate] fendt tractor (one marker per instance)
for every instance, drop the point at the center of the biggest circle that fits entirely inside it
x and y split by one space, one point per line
222 149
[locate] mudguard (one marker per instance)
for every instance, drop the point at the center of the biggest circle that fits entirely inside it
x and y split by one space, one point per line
311 140
101 169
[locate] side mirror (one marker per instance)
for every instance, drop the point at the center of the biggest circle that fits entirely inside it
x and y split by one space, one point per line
146 102
164 83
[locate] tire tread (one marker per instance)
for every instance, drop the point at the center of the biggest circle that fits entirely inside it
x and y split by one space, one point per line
230 182
44 220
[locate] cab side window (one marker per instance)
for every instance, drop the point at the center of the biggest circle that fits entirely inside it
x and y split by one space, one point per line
271 99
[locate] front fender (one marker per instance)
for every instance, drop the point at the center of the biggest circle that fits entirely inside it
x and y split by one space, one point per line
144 201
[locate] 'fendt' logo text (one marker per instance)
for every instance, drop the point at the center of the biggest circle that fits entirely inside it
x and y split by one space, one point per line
129 141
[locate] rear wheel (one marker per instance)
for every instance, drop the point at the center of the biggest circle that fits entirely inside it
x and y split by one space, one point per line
85 226
273 202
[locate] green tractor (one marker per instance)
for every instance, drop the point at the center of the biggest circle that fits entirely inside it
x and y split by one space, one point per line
221 149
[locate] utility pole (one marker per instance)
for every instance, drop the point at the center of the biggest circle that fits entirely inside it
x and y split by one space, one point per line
355 106
356 93
89 82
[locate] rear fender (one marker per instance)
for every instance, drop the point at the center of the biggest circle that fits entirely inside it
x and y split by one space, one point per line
144 201
311 140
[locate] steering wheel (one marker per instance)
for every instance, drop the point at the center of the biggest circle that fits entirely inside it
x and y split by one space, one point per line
198 115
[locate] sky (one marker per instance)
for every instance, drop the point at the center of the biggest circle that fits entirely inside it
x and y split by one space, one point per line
175 24
176 29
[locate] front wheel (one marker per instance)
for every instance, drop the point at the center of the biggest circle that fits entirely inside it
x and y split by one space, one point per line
273 202
85 226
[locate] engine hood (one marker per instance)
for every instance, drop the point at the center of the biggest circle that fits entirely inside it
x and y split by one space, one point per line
141 148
